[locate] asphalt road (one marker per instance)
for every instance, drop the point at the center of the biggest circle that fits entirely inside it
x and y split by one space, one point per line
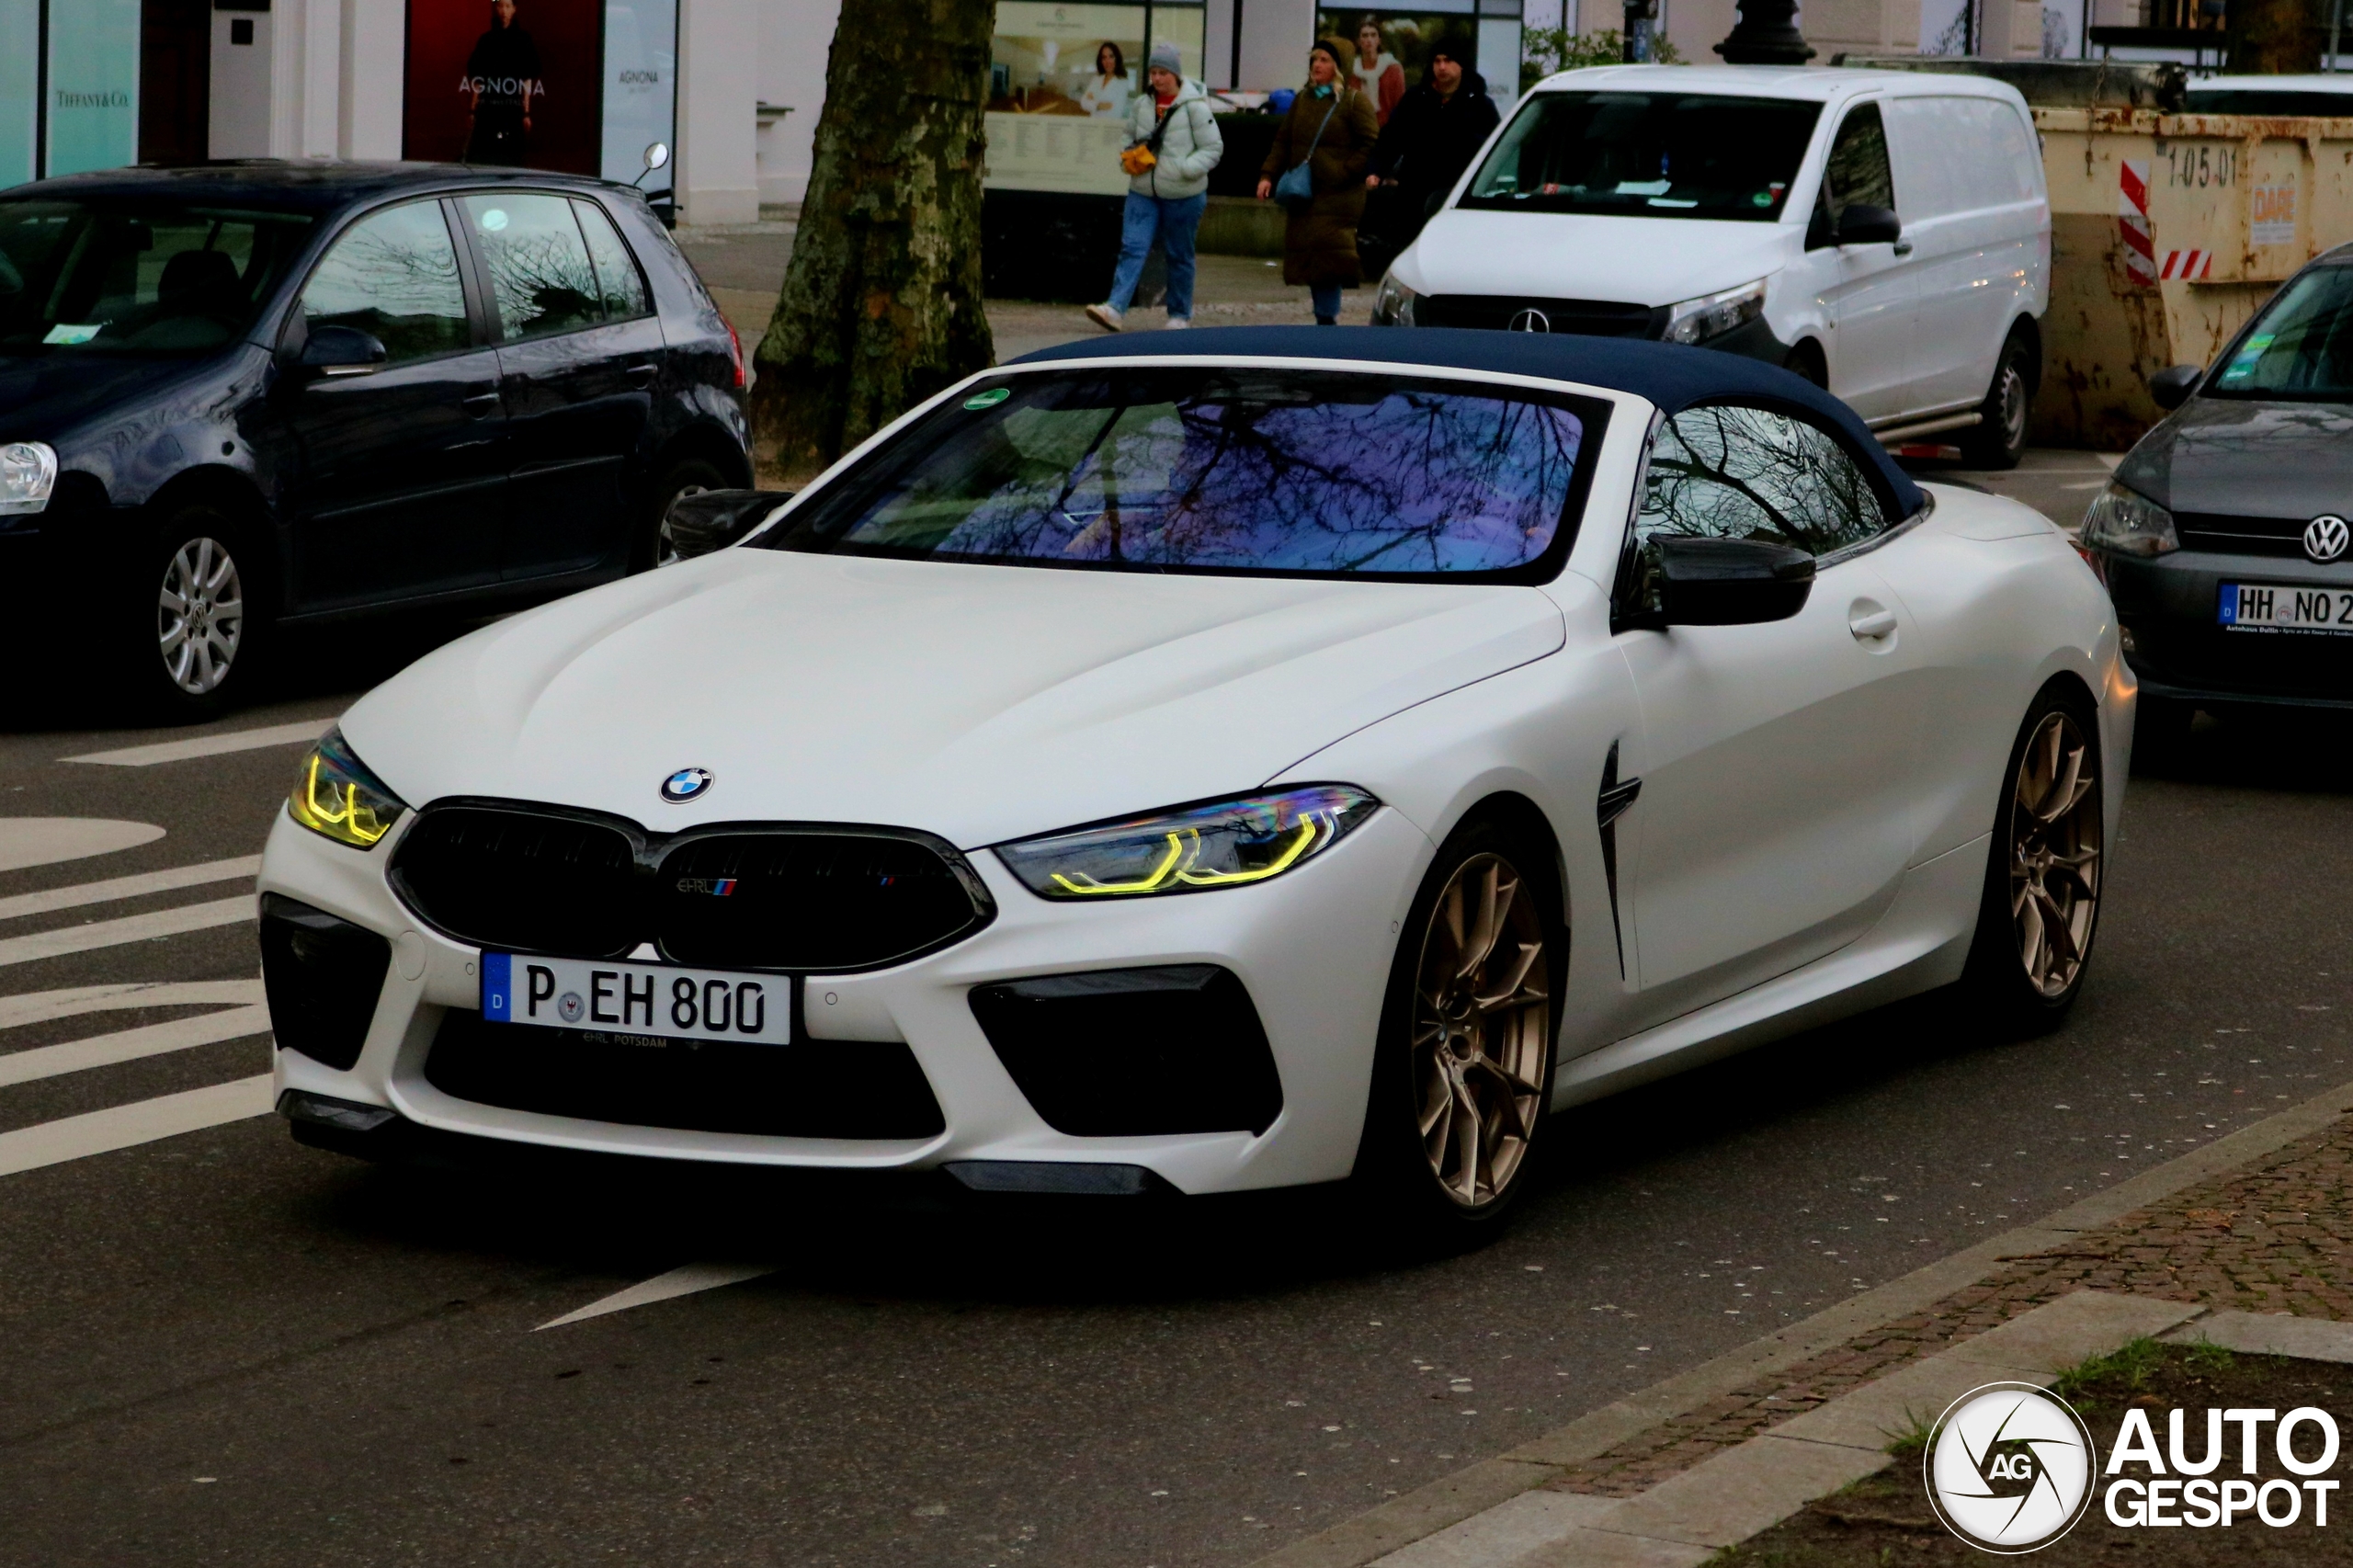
220 1347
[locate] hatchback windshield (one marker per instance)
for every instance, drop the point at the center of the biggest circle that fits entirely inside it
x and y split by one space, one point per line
2301 346
1648 155
1282 471
136 278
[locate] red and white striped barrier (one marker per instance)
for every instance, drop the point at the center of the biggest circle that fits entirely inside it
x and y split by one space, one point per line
2132 221
2187 263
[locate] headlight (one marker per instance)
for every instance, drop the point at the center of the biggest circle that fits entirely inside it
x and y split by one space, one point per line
28 473
2129 523
1191 851
1394 306
335 795
1712 315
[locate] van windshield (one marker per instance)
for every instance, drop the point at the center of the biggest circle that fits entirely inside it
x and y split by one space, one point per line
1648 155
2300 348
137 277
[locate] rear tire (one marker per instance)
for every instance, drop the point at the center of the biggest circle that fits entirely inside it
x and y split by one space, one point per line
649 545
186 640
1462 1073
1998 442
2041 907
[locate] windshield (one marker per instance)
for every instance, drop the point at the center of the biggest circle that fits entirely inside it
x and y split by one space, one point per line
1278 472
1648 155
2301 346
136 276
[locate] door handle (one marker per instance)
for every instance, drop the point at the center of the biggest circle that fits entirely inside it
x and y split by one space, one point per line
1870 622
482 406
639 376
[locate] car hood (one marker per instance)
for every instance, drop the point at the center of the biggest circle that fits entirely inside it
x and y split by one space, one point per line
44 397
981 703
1567 256
2246 457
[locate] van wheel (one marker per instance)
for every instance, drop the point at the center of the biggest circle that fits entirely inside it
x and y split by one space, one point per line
190 639
1999 440
649 543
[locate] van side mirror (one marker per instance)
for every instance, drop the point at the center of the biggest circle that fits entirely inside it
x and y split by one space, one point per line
706 520
1861 225
2171 387
1730 582
342 351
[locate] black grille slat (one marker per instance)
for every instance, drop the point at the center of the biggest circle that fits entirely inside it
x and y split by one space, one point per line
541 880
2240 536
1585 318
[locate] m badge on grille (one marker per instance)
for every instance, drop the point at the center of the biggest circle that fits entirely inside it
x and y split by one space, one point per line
687 784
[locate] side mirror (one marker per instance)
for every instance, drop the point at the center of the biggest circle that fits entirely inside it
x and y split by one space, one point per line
1730 582
2171 387
1861 225
656 155
342 351
705 521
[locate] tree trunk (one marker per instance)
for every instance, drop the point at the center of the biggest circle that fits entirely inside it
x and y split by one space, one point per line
882 305
2270 37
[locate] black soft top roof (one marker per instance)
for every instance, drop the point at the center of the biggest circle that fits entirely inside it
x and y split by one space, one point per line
307 188
1668 374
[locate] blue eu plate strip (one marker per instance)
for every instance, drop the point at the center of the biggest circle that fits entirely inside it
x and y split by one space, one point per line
497 987
2230 603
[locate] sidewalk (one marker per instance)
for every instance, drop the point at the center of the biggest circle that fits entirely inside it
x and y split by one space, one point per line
2259 1222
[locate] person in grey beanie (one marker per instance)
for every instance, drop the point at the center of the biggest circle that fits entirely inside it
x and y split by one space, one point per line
1175 145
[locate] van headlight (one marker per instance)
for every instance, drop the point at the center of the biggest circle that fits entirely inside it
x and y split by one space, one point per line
335 797
1394 306
1712 315
2128 523
1192 849
28 474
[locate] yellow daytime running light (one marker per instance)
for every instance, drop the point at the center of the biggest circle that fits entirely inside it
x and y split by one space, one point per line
336 798
1228 844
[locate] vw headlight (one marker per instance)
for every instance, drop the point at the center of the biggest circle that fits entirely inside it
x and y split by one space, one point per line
1394 306
1712 315
2129 523
335 795
1194 849
28 473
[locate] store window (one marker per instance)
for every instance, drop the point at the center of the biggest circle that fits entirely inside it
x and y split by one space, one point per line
1389 51
577 85
1060 79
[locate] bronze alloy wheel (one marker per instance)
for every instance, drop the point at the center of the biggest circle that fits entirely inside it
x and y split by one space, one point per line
200 615
1482 1022
2054 852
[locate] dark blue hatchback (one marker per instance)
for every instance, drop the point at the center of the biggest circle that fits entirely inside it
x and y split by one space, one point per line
239 396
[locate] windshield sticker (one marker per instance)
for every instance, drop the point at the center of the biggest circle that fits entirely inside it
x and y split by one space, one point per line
988 399
67 336
2243 363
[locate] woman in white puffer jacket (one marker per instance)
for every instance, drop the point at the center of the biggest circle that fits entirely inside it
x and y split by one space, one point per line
1177 141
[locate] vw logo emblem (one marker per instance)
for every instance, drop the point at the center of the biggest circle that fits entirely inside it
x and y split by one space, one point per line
1530 320
687 784
2325 538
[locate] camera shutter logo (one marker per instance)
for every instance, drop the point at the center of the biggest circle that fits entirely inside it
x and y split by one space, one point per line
2325 538
2010 1468
1530 320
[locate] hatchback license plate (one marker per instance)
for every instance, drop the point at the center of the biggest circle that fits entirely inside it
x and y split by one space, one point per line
2280 607
636 998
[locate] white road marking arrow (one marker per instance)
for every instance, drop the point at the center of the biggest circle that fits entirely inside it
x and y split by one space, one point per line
683 1282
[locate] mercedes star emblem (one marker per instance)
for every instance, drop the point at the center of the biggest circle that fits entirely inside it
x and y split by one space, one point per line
2325 538
1530 320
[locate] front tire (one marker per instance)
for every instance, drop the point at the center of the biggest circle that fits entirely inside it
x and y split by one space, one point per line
189 635
2041 908
1998 442
1462 1076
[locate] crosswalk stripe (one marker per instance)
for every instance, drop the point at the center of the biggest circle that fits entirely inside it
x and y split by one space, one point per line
95 934
206 745
141 1121
40 1007
128 887
129 1045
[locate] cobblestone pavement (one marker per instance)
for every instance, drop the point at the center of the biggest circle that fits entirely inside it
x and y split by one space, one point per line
2276 1237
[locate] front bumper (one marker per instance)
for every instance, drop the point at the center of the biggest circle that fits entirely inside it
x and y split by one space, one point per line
2167 606
1311 949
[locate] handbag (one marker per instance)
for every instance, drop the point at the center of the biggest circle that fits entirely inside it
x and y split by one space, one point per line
1144 157
1296 189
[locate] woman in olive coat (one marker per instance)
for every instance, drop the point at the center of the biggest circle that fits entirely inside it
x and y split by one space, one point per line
1319 244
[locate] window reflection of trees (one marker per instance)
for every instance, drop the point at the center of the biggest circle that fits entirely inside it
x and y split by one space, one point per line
394 276
1396 480
540 271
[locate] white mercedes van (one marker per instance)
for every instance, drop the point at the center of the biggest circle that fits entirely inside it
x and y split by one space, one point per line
1885 233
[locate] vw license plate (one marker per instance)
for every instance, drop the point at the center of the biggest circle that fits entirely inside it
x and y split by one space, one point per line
636 998
2277 607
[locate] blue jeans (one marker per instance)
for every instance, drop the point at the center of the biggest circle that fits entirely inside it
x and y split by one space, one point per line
1325 298
1174 223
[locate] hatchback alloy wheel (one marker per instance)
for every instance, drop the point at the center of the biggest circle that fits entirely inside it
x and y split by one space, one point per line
200 615
1482 1026
2054 852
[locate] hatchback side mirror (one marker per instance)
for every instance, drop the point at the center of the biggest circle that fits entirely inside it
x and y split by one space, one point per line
1730 582
2171 387
342 351
1861 225
706 520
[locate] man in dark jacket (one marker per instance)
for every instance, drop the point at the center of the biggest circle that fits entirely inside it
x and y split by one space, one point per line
502 78
1431 136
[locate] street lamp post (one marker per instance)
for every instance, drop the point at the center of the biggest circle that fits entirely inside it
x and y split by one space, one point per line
1767 34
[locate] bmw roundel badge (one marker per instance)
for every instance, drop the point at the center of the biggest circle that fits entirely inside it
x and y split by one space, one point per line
687 784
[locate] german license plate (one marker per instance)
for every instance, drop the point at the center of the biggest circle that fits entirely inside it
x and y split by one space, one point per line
2278 606
636 998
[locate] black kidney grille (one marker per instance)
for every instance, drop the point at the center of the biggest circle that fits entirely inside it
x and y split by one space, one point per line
522 880
829 900
543 881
